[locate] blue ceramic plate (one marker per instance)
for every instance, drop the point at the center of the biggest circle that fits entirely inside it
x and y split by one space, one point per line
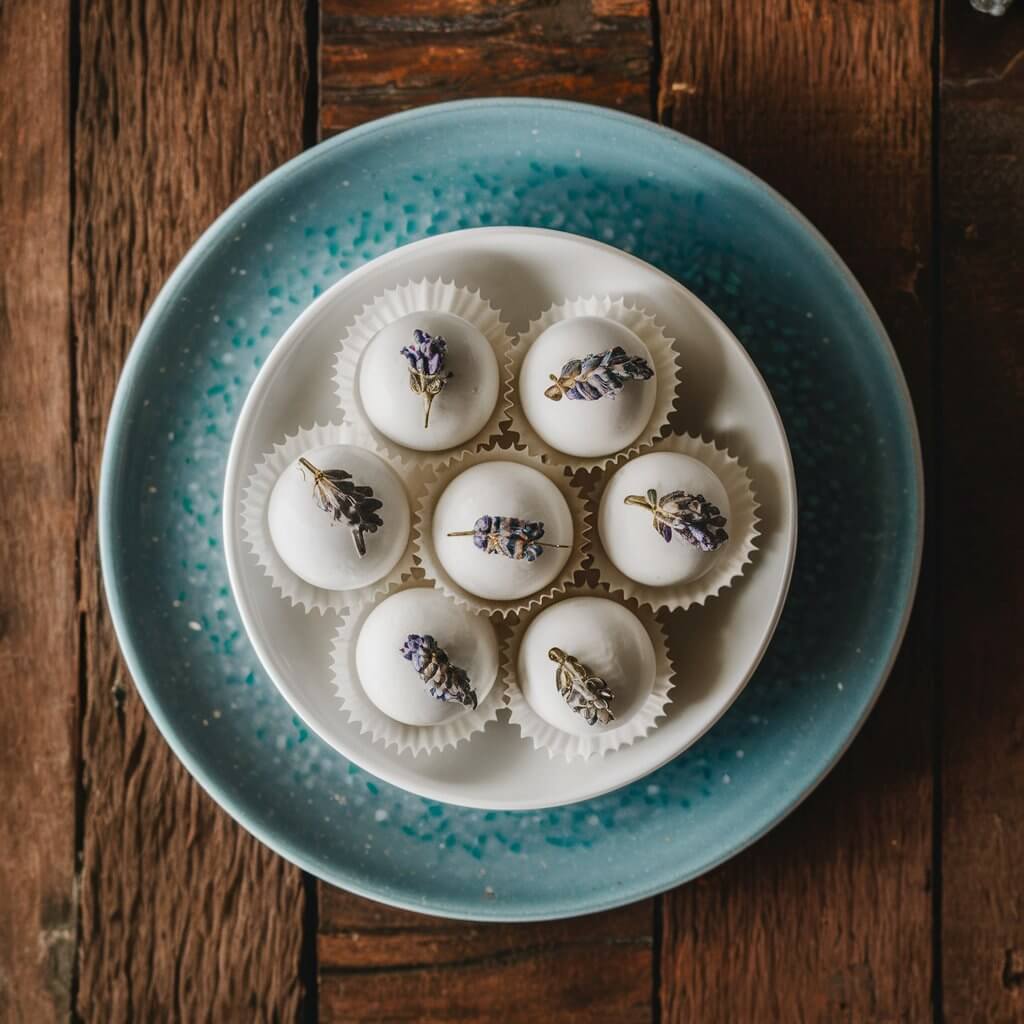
753 259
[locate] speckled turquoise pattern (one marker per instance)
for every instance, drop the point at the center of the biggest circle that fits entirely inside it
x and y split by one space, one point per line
543 164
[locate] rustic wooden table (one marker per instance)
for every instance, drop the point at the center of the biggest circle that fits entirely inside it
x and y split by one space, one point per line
894 893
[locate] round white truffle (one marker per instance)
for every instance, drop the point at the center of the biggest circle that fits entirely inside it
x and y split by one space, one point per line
393 684
322 550
461 408
627 531
587 429
505 489
607 639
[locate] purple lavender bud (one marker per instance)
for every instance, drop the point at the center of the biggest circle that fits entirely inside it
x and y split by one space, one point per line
510 536
425 357
444 681
412 648
426 354
598 375
695 519
531 529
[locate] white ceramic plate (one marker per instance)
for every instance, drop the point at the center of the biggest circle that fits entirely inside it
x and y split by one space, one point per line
717 647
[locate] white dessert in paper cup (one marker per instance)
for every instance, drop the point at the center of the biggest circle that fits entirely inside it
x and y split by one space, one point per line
311 556
387 696
607 658
500 531
637 387
659 520
422 418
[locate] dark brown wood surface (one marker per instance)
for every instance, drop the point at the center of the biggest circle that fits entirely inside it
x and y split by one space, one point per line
982 393
382 56
893 894
377 964
38 624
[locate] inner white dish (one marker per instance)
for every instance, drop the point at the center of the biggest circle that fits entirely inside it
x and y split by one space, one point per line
715 647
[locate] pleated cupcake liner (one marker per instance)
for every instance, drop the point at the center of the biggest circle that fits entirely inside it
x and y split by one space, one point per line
426 555
361 711
558 743
667 375
255 501
731 563
433 295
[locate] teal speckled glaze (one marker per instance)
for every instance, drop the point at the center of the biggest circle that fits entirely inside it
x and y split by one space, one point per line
617 179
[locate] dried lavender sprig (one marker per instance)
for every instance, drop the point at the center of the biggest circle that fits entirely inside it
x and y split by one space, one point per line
426 356
518 539
444 681
335 492
690 516
586 694
598 375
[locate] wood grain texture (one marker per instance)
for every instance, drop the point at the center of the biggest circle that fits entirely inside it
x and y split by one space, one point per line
379 964
38 626
982 389
829 918
181 106
381 56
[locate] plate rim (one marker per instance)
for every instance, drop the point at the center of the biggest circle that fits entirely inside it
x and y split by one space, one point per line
234 481
116 429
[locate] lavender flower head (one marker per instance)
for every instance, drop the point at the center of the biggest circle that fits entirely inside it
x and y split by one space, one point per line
689 516
426 356
444 681
518 539
509 536
586 694
335 492
598 375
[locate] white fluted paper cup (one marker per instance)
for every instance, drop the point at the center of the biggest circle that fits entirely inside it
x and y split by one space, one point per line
254 511
505 484
365 657
373 381
652 559
590 434
623 646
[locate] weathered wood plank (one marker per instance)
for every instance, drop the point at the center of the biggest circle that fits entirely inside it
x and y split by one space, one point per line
38 623
181 106
382 56
982 392
377 963
830 917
